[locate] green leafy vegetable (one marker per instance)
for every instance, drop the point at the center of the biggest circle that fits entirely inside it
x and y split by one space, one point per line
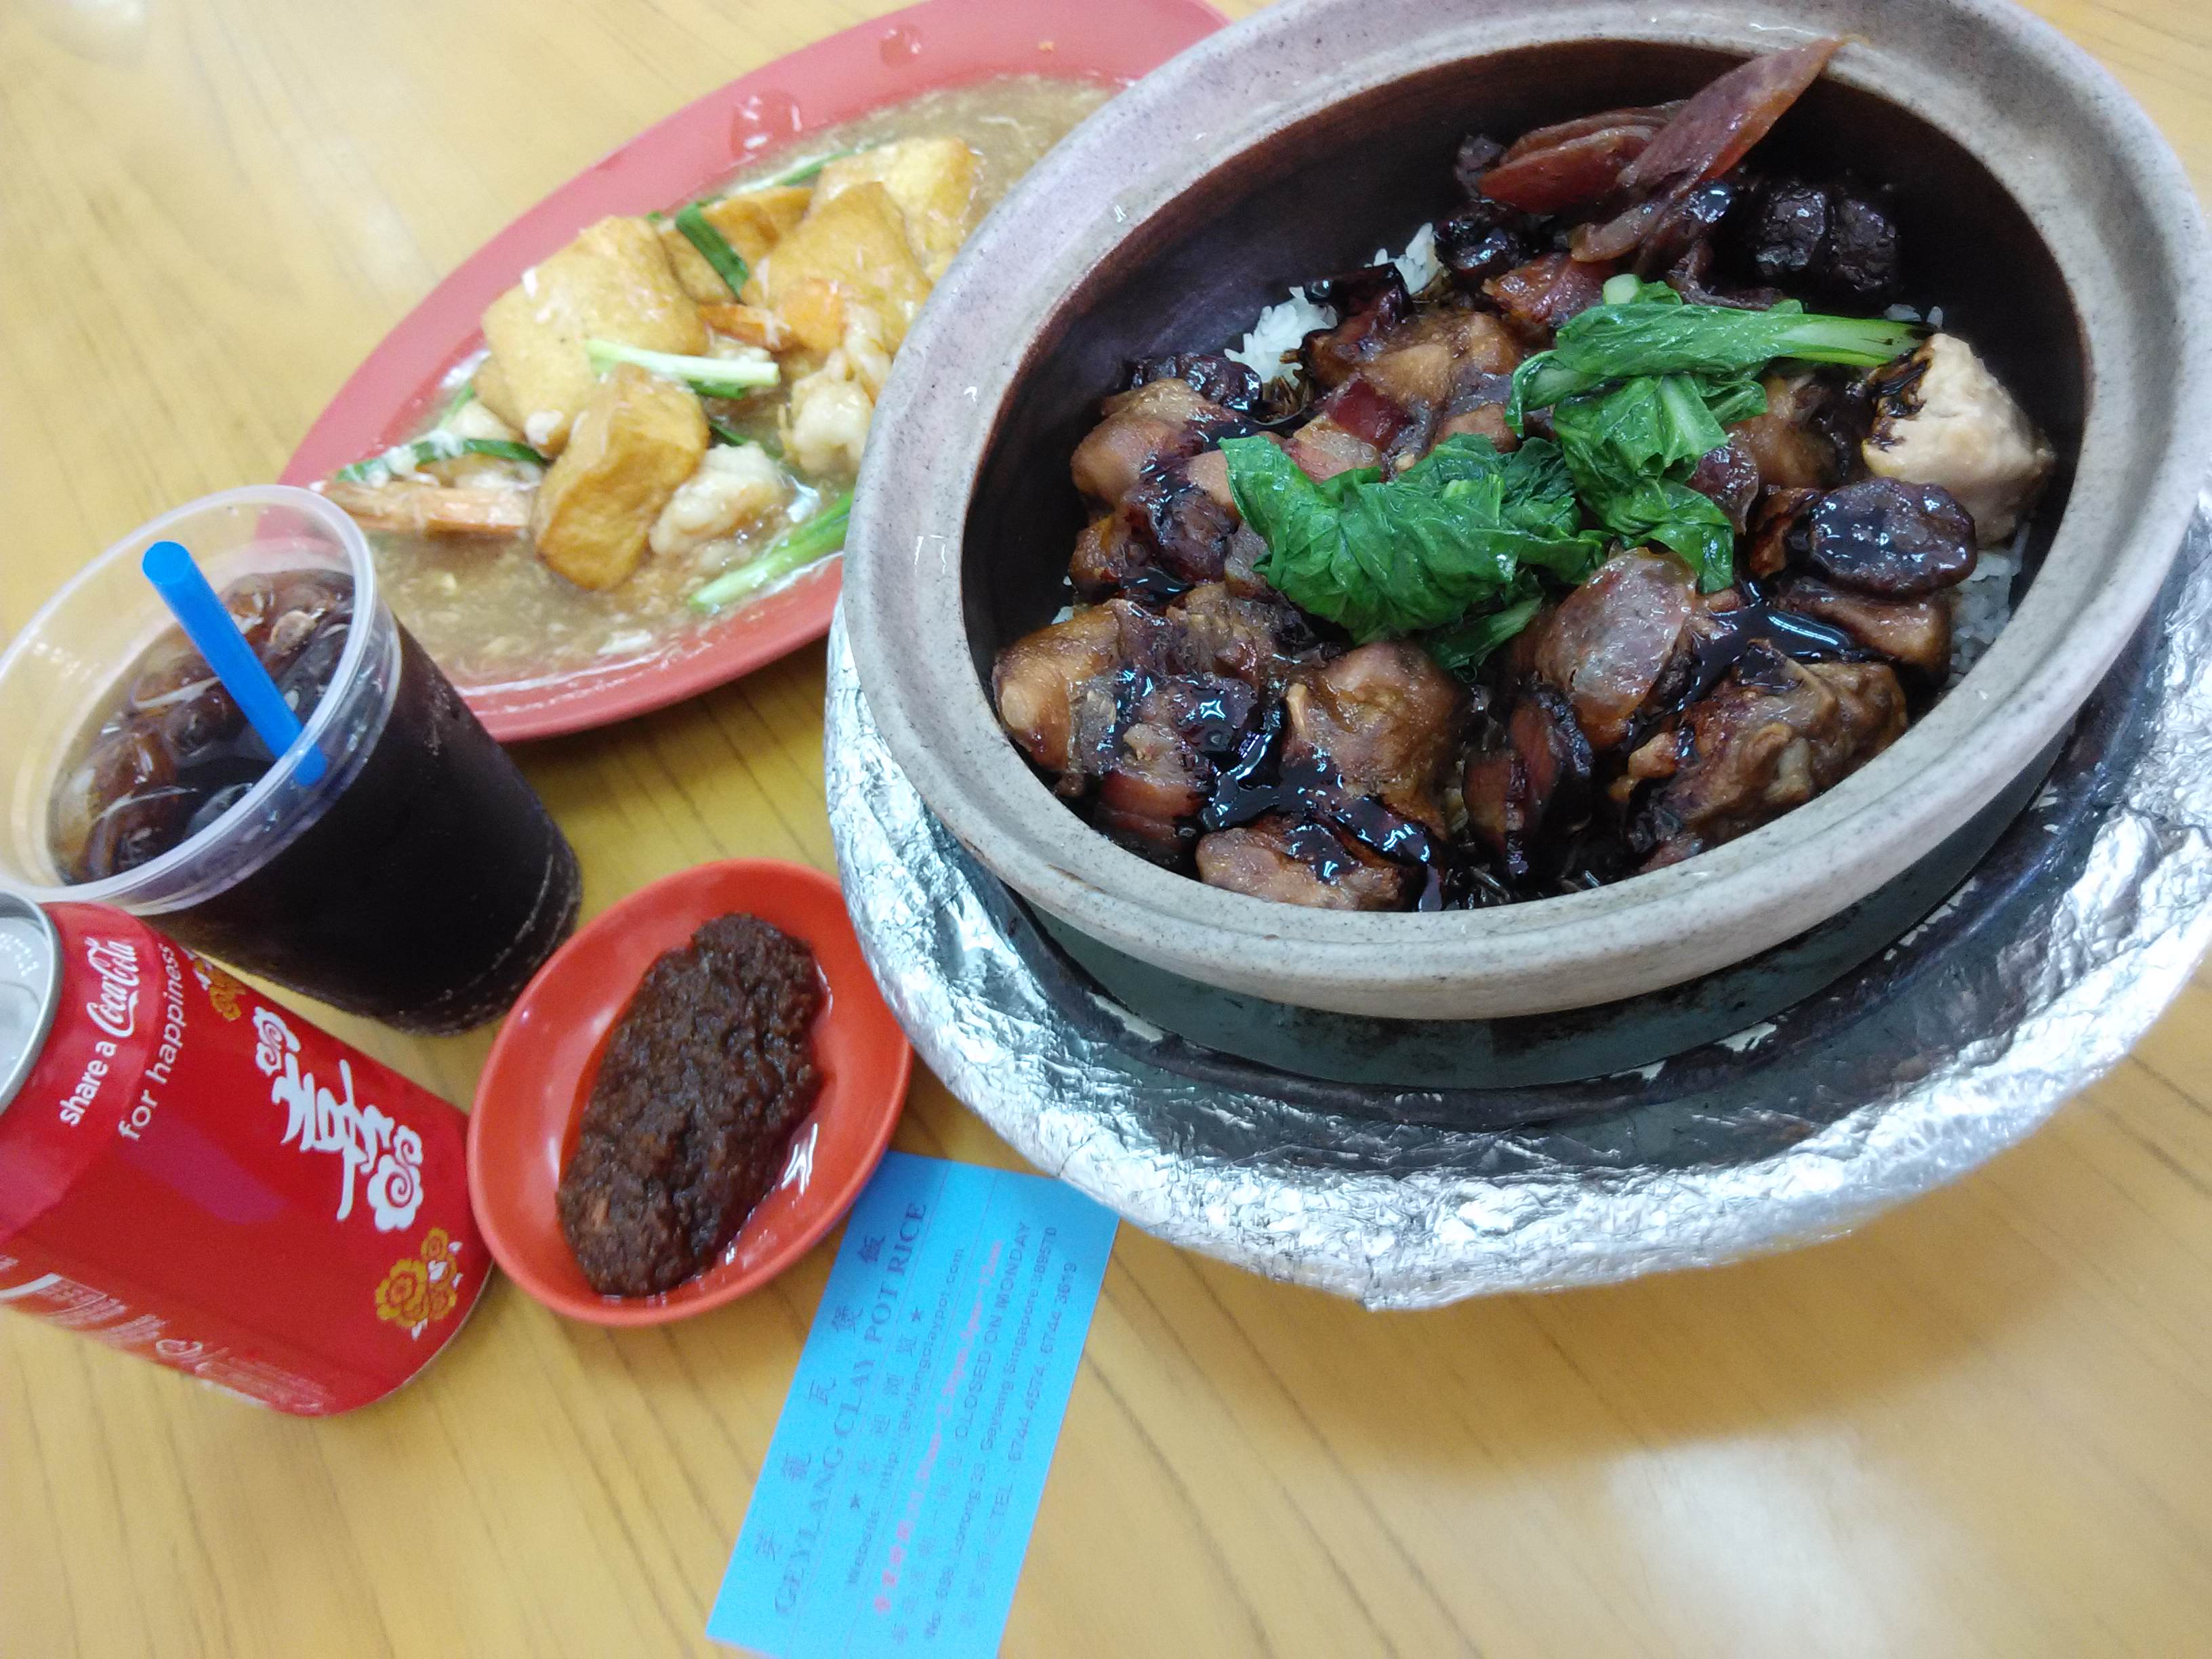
710 377
435 447
1450 536
793 550
1642 386
1629 451
1655 333
1464 648
1641 389
1628 286
1653 422
714 247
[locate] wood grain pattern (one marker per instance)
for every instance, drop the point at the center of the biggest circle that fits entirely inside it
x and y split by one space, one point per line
1976 1427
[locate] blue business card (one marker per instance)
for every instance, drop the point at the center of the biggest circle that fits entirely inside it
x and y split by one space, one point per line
895 1507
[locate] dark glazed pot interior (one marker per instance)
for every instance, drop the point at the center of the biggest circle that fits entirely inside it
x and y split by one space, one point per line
1322 196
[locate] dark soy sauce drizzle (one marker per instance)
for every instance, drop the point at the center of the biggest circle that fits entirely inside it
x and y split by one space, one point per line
1756 621
1212 727
1249 786
1260 782
1805 638
1149 585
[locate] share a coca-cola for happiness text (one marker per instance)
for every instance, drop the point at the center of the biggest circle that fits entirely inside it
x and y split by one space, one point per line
192 1174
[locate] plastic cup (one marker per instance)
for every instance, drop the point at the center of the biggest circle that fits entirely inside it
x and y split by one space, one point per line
420 881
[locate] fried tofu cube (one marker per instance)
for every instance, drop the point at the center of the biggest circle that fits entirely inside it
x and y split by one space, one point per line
932 179
752 223
612 282
630 449
849 251
492 390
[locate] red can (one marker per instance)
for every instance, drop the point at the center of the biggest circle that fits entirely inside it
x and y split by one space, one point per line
192 1174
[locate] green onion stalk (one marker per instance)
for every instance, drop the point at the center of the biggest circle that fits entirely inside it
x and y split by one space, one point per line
797 548
714 247
436 447
710 377
806 173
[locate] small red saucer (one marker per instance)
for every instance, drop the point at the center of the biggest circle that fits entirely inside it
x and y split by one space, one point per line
542 1067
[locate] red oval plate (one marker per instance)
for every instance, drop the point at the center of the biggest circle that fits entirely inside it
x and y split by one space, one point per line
535 1085
941 43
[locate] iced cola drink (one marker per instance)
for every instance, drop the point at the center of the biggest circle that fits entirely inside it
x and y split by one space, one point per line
417 880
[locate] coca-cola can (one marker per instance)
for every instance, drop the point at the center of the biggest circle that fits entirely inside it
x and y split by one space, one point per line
192 1174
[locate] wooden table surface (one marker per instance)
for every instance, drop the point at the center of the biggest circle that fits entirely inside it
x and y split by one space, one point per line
1983 1424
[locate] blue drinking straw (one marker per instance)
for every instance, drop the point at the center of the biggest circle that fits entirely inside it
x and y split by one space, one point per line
199 611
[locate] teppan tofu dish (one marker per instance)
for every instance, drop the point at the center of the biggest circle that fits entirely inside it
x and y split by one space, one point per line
668 414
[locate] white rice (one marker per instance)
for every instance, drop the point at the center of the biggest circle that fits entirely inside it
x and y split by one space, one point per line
1982 604
1270 348
1419 265
1272 345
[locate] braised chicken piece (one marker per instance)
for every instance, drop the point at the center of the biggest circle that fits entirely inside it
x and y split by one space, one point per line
1386 719
1209 471
1058 690
1150 461
1778 530
1297 861
1530 784
1166 761
1149 708
1213 377
1427 360
1184 526
1261 640
1177 528
1108 557
1913 634
1336 806
1537 297
1372 304
1478 411
1323 447
1186 514
1160 421
1790 444
1774 735
1394 388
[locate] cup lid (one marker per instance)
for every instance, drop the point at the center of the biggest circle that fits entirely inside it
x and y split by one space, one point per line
30 988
